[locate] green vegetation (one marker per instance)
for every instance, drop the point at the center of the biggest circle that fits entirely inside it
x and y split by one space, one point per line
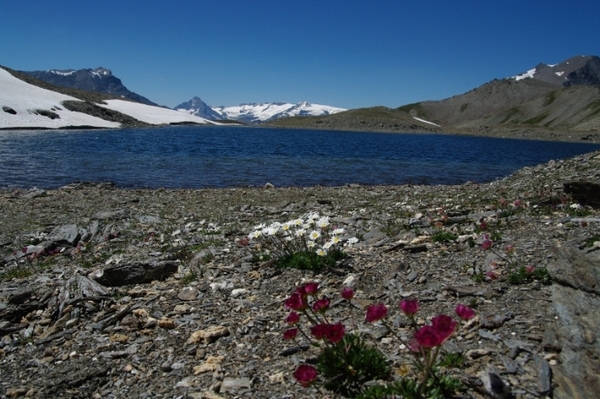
550 98
463 107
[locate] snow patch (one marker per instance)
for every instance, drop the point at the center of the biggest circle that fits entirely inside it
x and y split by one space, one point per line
151 114
424 121
527 75
32 103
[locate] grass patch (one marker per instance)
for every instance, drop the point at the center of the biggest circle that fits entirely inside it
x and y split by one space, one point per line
310 260
442 236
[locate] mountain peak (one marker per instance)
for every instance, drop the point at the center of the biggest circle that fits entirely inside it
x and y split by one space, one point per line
561 74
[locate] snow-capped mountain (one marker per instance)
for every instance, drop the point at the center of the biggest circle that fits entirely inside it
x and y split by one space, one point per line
24 105
199 108
255 112
574 71
100 80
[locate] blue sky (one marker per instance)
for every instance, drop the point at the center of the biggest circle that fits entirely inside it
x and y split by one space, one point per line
348 54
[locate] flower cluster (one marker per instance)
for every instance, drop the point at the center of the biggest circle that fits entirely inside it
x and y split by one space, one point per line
425 344
311 234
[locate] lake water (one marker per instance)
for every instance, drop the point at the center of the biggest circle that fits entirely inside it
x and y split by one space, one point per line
225 156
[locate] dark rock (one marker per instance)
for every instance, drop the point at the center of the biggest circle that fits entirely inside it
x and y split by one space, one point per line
136 273
585 193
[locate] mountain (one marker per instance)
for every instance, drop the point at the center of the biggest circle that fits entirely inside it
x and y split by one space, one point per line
256 112
564 95
199 108
27 102
547 101
99 80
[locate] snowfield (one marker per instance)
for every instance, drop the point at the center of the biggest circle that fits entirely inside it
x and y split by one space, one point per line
23 105
150 114
24 99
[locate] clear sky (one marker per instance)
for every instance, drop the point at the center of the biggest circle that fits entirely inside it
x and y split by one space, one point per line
348 54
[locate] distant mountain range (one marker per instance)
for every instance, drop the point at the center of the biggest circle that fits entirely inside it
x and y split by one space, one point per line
253 113
563 97
100 80
558 97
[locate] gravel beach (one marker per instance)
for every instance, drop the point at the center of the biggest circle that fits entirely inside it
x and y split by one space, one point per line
113 293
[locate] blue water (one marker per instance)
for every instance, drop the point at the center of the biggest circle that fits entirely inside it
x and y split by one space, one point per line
198 157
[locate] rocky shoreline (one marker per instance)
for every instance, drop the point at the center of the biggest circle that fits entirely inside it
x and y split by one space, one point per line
111 293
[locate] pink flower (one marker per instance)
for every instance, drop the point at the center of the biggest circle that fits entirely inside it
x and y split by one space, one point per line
292 318
491 275
483 225
319 331
331 332
409 306
376 312
444 325
428 337
529 269
486 244
290 333
321 305
464 312
518 203
307 289
509 249
296 302
305 375
335 332
347 293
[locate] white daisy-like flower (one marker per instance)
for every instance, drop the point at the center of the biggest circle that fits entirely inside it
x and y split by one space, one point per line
327 245
255 234
321 252
323 222
352 240
300 232
314 235
298 222
271 231
335 240
289 238
338 231
285 226
310 244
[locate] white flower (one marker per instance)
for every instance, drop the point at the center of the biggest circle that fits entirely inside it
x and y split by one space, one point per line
289 238
321 252
323 222
314 235
300 232
285 226
338 231
327 245
255 234
352 240
334 240
271 231
260 226
298 222
310 244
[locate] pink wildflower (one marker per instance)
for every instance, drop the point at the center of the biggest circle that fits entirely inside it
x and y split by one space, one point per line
376 312
464 312
409 306
305 375
347 293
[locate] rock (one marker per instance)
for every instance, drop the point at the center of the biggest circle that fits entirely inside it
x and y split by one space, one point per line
586 193
188 294
573 269
235 384
67 234
209 335
135 273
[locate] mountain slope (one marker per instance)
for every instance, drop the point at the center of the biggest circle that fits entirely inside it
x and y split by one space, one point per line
26 102
99 80
564 95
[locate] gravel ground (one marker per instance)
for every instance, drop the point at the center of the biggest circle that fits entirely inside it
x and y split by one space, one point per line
185 310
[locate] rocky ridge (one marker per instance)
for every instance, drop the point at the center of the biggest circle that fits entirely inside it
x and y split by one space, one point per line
110 293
